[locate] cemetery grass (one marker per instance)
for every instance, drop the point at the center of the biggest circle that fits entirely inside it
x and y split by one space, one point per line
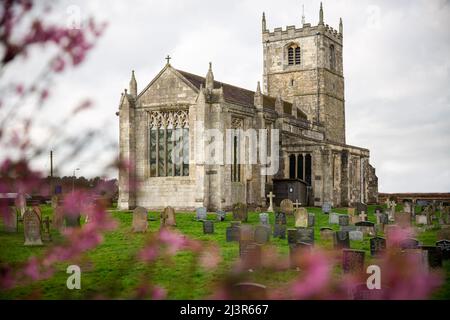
111 270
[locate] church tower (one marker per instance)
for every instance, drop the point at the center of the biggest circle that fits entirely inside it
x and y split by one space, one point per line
304 65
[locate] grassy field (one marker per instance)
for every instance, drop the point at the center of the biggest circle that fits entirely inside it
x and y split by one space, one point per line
108 267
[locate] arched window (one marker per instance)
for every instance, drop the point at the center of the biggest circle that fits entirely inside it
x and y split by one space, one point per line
332 58
294 57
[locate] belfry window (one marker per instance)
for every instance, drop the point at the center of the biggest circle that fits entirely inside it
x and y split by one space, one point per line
332 58
294 57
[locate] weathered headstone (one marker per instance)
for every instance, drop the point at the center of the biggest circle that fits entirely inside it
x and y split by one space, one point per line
208 227
311 220
296 253
421 219
363 216
353 261
262 234
344 220
356 235
326 233
292 236
279 231
287 206
168 217
264 218
270 196
240 212
444 245
301 218
333 218
247 233
382 218
367 227
402 219
221 215
46 226
305 235
140 221
417 257
233 232
32 229
377 246
58 218
434 256
250 253
407 206
10 220
378 210
326 207
341 240
280 218
200 214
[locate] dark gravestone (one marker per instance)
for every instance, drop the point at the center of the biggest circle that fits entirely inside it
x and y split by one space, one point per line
248 291
377 246
434 256
221 215
262 234
10 220
326 207
279 231
208 227
444 245
305 235
353 261
292 236
32 229
409 243
200 214
311 220
344 220
72 220
382 218
240 212
280 218
233 232
341 240
366 227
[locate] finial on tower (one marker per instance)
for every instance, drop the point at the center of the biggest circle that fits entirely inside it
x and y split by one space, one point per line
341 26
321 15
264 25
209 78
258 88
133 85
303 15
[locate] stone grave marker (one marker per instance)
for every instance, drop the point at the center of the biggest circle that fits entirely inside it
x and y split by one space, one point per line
251 254
356 235
140 221
434 256
233 231
46 226
248 291
270 196
287 206
301 218
344 220
264 218
240 212
326 233
280 218
417 257
421 219
200 214
221 215
347 228
377 246
341 240
378 210
333 218
353 261
305 235
409 243
58 218
10 220
311 220
402 219
72 219
279 231
296 253
326 207
444 245
382 218
32 229
208 227
262 234
367 227
363 216
407 207
247 233
292 236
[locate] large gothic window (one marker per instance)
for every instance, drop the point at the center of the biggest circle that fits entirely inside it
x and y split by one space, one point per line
169 144
294 57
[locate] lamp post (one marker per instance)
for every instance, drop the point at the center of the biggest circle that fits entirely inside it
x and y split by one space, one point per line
73 179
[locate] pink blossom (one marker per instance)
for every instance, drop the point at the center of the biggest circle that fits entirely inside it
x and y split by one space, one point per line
159 293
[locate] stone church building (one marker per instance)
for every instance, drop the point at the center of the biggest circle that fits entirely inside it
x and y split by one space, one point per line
302 98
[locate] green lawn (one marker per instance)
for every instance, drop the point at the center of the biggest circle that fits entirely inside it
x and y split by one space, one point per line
108 267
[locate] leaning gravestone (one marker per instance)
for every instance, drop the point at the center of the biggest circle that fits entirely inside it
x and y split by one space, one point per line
240 212
444 245
200 214
221 215
326 233
10 220
301 218
208 227
353 261
326 207
356 235
333 218
287 206
32 229
377 246
367 227
344 220
434 256
341 240
264 219
262 234
168 217
140 221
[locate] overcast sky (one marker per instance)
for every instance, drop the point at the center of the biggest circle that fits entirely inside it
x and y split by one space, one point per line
396 68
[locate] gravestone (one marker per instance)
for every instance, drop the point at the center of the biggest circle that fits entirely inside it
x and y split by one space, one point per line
297 252
168 217
240 212
10 220
311 220
326 233
262 234
356 235
326 207
333 218
353 261
402 219
287 206
247 233
250 253
301 218
382 218
200 214
305 235
46 226
341 240
32 229
363 216
351 211
233 232
280 218
409 243
221 215
264 219
347 228
378 210
434 256
37 209
208 227
292 236
279 231
444 245
366 227
418 257
407 207
140 221
72 219
361 207
344 220
270 196
248 291
377 246
421 219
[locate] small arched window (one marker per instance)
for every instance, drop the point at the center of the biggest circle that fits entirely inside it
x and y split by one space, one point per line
294 57
332 58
